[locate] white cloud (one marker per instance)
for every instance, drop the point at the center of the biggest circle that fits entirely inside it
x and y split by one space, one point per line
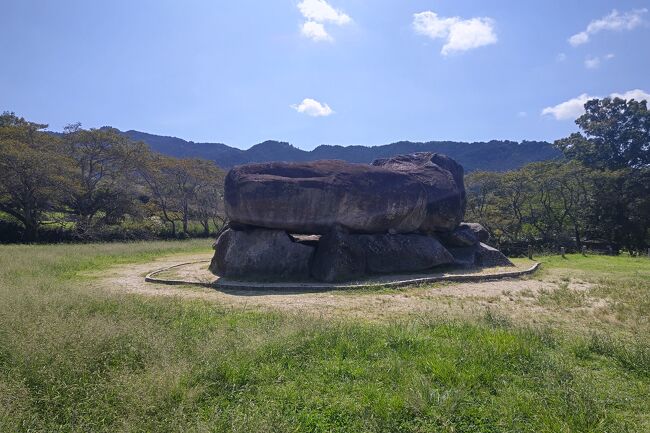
570 109
317 13
321 11
636 94
594 62
315 31
469 34
560 57
427 23
460 34
574 108
579 39
312 107
615 21
522 114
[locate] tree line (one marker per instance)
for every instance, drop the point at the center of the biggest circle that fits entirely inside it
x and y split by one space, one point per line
96 184
597 195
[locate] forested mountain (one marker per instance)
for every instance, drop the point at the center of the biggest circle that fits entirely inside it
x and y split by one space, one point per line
493 155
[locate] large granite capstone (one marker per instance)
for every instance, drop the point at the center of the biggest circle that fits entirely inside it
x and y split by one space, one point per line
400 196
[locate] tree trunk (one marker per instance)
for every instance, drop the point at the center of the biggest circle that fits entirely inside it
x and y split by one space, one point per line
30 222
82 225
169 220
185 218
31 232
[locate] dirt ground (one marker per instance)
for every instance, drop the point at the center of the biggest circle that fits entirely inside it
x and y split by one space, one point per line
517 298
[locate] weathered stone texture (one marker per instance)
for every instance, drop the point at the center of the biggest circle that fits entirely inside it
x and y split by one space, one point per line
442 179
398 195
260 254
337 221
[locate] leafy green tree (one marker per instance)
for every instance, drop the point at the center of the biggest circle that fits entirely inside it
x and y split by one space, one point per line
208 203
103 179
621 211
194 180
156 172
32 171
184 188
575 192
559 198
514 200
546 202
483 191
616 135
616 142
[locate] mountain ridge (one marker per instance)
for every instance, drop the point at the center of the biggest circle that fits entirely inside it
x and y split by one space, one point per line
494 155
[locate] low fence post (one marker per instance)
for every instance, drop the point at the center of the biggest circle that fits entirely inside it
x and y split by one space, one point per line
530 252
563 251
584 250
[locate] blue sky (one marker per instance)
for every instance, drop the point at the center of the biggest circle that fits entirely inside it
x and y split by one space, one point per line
315 71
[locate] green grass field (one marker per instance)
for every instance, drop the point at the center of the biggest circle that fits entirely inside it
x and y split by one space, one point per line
74 357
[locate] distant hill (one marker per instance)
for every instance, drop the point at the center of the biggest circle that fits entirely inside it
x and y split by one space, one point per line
493 155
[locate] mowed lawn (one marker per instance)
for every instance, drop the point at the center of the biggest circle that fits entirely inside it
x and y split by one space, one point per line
74 357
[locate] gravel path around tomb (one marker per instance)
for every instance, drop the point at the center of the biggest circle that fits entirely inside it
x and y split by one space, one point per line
196 273
518 298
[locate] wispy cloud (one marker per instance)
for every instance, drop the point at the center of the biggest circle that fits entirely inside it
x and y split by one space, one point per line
570 109
574 107
459 34
312 107
615 21
595 62
317 13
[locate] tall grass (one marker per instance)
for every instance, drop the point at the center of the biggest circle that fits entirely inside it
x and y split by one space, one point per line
73 358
